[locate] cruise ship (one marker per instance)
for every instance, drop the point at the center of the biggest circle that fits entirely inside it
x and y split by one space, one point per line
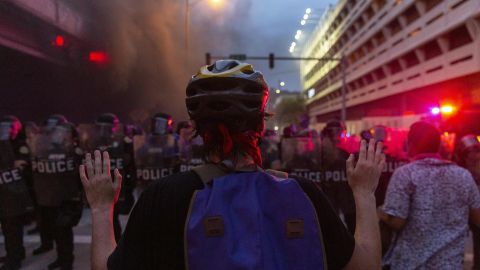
404 59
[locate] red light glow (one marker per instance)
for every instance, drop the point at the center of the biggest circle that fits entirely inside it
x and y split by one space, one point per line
59 41
98 57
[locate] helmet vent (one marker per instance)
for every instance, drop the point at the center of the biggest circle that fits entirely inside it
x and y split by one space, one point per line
219 106
191 92
252 104
247 71
255 89
193 106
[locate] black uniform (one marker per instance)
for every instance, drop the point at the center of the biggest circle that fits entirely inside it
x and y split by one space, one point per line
335 183
58 190
300 157
120 149
15 199
190 154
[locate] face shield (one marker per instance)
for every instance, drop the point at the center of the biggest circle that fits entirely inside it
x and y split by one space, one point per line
60 135
160 126
5 131
50 124
105 130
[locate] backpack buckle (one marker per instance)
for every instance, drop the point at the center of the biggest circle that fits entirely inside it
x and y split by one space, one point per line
295 228
214 226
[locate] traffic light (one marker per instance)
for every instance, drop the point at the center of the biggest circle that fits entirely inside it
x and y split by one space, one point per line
208 58
271 60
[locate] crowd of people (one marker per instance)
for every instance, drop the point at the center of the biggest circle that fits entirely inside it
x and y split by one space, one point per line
207 187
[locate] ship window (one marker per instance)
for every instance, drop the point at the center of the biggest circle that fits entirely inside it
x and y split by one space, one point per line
411 59
411 14
431 50
459 37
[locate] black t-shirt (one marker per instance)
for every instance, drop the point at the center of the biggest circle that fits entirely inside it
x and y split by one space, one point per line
154 236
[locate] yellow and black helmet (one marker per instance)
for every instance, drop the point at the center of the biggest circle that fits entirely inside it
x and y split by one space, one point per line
227 90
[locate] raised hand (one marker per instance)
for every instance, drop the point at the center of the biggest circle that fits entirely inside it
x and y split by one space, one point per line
101 192
363 176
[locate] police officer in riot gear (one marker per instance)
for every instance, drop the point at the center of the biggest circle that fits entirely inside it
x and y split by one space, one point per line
56 158
46 235
392 162
14 196
155 153
189 147
108 136
334 182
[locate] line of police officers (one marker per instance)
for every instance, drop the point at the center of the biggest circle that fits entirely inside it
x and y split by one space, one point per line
39 174
38 171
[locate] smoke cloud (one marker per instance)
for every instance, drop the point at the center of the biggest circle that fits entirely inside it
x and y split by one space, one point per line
145 42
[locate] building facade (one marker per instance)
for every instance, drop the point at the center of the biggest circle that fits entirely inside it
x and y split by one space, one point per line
403 58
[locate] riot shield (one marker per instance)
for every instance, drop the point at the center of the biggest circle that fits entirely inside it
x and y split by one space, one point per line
121 152
335 183
155 156
14 196
270 153
191 154
300 157
55 166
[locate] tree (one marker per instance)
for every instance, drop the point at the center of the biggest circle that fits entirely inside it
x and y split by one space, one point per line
289 110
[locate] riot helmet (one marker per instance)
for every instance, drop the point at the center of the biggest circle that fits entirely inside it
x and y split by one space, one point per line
231 92
54 120
468 151
107 124
161 124
335 131
62 134
379 133
366 135
10 127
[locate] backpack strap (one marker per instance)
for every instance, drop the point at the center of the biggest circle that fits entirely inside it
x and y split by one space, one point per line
277 174
208 172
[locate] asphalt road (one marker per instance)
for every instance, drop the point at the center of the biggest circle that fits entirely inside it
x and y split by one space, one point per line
82 248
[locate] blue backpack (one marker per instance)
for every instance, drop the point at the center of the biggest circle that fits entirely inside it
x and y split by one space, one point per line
251 220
